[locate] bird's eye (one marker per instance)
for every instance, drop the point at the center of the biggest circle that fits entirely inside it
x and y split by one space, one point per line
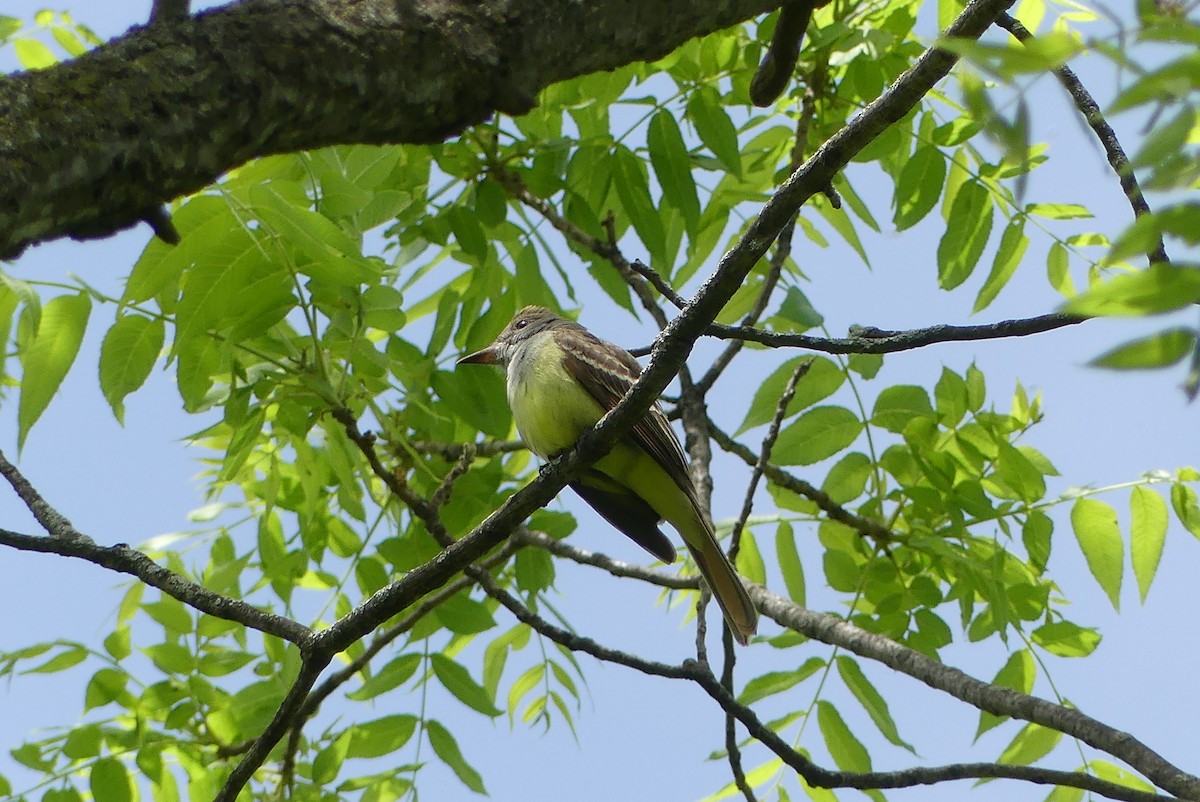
520 324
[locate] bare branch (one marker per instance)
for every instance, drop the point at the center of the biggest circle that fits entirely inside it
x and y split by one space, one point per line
125 560
310 669
870 340
54 522
617 568
777 65
907 778
95 142
982 695
764 454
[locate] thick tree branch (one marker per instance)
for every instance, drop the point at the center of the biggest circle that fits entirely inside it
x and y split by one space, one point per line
88 146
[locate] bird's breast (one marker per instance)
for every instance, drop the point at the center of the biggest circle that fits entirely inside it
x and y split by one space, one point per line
550 408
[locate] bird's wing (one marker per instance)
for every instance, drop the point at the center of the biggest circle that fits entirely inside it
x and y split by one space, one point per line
626 511
607 372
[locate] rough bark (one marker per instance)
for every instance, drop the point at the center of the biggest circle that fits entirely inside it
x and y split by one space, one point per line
95 144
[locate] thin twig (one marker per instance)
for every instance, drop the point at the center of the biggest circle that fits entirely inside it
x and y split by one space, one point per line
1090 110
836 512
454 451
764 453
126 560
870 340
442 494
658 282
662 579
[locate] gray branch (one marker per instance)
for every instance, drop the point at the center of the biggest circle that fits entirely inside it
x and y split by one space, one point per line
95 144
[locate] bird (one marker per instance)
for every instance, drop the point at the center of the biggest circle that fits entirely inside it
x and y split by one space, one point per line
561 379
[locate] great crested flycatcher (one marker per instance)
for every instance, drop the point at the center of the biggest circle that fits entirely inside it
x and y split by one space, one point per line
561 380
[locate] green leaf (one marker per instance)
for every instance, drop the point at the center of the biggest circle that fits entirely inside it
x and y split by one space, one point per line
109 780
1156 351
629 179
715 128
465 616
1018 673
381 736
1058 211
1035 536
919 186
69 657
1115 774
673 167
1147 533
446 748
1187 507
871 700
1030 745
1012 249
328 762
476 395
789 562
847 751
534 570
796 313
128 353
1095 525
847 479
1058 270
966 235
1159 288
823 379
775 682
34 55
898 405
45 362
1065 639
458 681
816 435
1154 87
105 686
749 559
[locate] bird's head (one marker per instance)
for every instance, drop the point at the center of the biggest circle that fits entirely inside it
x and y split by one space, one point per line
528 323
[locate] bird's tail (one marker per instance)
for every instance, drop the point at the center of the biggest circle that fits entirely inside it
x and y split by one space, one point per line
725 584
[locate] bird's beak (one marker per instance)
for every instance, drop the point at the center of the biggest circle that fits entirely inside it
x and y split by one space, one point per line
484 356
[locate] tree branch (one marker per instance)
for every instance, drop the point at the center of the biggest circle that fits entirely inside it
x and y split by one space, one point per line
982 695
1090 110
906 778
870 340
310 669
91 144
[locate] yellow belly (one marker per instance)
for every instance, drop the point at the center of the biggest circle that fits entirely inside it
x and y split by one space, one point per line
550 408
